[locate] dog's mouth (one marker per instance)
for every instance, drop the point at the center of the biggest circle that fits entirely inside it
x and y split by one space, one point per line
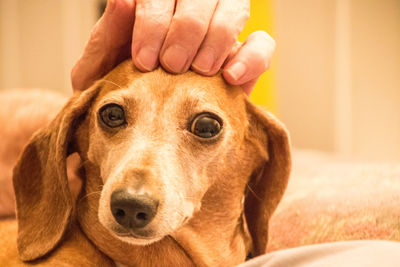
143 234
133 236
138 237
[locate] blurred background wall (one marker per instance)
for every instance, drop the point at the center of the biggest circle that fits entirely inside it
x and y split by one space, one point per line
335 80
41 40
338 75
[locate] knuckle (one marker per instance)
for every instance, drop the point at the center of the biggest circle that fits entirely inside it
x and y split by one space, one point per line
242 13
226 32
152 14
154 18
196 24
158 25
150 30
146 4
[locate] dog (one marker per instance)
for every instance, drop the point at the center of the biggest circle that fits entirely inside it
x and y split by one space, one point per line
177 170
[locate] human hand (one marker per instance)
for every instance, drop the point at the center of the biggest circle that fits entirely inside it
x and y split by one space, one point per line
200 35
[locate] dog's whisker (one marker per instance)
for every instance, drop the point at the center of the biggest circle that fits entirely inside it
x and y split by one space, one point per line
253 192
90 194
113 83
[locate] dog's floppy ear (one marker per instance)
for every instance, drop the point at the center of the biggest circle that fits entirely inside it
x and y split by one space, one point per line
43 200
266 186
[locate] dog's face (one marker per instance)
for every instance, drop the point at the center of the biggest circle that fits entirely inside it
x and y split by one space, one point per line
166 152
160 142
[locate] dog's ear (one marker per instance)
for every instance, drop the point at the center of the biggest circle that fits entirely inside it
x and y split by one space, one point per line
270 141
43 200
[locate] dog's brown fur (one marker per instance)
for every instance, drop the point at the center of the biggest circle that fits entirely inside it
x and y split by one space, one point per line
231 185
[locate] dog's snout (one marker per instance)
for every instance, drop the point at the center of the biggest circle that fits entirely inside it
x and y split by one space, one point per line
133 211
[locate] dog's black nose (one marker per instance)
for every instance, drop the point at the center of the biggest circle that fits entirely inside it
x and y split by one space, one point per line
132 211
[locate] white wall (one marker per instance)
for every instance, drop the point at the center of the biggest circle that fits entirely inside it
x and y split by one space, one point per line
305 70
339 75
375 57
41 39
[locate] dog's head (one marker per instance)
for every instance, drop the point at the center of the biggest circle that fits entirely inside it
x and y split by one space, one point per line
167 147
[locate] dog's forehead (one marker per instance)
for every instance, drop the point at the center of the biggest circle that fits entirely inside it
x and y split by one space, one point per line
169 88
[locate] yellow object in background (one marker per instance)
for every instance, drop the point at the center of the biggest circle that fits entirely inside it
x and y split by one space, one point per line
261 18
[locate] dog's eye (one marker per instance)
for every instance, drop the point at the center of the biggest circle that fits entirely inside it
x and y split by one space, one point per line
205 126
112 115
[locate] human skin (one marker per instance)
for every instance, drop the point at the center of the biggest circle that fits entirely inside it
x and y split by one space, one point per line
178 35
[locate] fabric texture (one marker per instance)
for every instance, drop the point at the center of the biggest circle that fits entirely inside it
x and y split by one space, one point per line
368 253
331 199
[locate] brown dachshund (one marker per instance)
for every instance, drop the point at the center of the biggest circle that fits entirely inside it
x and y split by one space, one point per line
177 170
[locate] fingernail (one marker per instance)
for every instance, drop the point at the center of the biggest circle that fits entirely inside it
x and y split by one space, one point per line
237 70
204 60
147 58
175 58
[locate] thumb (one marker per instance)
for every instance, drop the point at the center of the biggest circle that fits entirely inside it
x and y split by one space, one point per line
108 45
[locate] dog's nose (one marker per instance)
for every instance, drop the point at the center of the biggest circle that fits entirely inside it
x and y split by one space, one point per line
132 211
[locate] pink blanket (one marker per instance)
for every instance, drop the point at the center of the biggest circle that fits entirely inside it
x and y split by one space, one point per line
331 199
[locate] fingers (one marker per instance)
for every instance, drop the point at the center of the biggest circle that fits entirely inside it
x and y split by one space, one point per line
196 35
228 21
109 43
152 21
247 63
188 27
